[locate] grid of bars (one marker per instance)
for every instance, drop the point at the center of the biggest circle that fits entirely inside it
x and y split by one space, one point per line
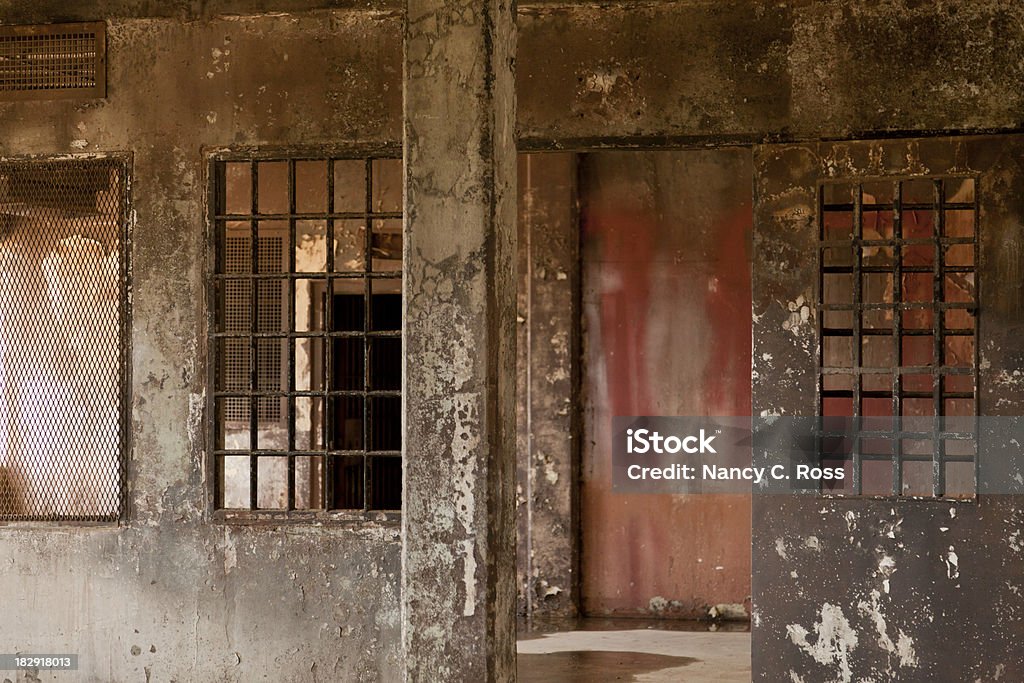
336 444
48 61
898 366
63 340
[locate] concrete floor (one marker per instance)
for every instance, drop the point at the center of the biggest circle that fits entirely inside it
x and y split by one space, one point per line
637 652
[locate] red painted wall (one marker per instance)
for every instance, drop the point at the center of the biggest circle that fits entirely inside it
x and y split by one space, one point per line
666 306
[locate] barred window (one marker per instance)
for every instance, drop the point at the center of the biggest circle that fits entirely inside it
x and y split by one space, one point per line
306 337
63 339
898 328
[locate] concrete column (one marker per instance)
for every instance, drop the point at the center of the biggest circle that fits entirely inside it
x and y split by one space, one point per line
458 529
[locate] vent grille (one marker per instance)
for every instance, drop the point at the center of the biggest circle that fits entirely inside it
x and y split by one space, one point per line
53 61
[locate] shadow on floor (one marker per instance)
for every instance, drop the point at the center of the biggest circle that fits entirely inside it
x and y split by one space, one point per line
583 666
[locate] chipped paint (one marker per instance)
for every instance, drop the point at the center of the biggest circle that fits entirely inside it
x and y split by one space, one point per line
903 648
952 564
834 640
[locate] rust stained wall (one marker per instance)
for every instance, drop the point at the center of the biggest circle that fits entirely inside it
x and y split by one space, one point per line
857 589
645 73
656 71
666 291
170 596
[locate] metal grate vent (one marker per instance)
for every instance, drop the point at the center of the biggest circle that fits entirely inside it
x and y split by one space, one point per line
53 61
63 310
269 363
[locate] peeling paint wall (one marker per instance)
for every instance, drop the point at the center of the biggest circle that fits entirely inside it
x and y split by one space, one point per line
458 380
651 71
632 73
873 589
547 366
170 596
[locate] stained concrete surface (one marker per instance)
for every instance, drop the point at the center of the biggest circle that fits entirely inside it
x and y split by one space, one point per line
632 652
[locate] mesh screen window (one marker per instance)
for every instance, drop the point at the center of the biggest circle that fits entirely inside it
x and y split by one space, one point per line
897 303
63 348
306 336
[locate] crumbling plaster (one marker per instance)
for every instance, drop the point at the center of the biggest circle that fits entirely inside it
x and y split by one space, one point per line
300 603
855 589
182 77
458 380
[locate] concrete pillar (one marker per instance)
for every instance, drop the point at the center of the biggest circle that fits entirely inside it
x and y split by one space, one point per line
458 528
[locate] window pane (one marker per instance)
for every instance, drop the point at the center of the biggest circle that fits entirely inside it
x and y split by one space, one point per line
273 186
272 482
349 186
387 185
385 424
238 188
323 325
234 482
349 246
308 477
386 363
311 186
385 483
347 474
387 245
311 246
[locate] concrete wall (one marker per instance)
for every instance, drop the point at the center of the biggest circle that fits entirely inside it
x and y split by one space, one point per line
630 73
874 588
170 596
548 370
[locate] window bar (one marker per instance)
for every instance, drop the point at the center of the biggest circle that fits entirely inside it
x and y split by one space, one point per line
367 267
820 380
290 344
327 423
253 348
218 306
858 378
938 359
897 333
976 360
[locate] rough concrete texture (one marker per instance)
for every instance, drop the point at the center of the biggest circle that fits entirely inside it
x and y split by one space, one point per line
645 73
547 367
755 71
169 595
631 73
458 526
873 589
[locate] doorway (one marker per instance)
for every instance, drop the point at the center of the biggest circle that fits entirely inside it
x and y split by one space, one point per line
666 291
